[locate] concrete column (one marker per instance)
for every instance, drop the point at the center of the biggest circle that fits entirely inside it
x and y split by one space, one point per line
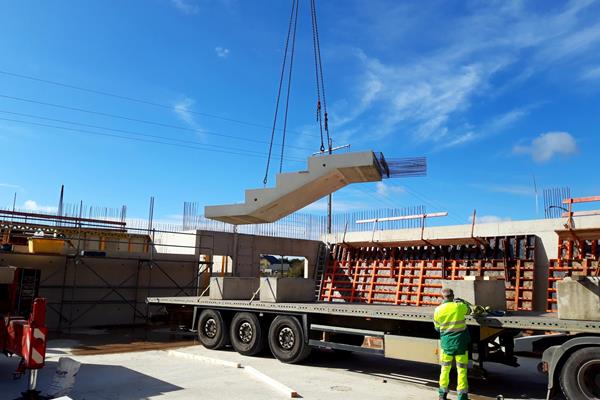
234 257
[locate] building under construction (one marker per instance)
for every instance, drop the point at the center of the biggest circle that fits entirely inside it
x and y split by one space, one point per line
99 272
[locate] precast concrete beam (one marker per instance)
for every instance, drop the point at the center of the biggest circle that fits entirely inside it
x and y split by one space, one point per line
296 190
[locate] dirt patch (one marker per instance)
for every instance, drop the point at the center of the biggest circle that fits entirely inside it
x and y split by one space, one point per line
129 347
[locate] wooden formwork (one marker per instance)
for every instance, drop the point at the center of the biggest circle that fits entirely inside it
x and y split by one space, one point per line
374 275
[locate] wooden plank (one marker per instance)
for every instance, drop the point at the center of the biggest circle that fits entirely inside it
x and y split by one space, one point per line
588 199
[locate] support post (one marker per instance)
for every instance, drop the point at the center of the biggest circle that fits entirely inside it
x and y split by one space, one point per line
234 266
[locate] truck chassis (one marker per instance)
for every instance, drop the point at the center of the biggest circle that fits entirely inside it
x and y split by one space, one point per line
571 359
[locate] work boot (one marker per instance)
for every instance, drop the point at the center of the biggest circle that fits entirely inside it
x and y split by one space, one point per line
443 396
463 396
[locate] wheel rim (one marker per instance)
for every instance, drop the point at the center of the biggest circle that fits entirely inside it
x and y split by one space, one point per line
287 339
210 328
245 332
588 379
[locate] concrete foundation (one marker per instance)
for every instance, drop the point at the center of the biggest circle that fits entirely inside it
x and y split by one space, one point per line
230 288
480 292
579 298
287 290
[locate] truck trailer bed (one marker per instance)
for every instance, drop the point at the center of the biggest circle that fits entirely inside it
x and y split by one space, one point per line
523 320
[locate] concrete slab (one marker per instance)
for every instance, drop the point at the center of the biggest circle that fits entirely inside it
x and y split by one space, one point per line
295 190
480 292
287 290
232 288
324 376
579 298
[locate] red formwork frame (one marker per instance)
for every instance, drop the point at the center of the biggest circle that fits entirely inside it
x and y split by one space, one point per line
561 268
418 282
578 251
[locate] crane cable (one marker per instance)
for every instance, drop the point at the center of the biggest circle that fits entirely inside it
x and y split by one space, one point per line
291 31
287 101
321 118
321 114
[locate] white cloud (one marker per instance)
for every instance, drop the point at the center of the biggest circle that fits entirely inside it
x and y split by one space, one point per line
339 206
182 109
489 219
222 52
386 190
186 6
507 119
33 206
424 95
519 190
428 94
592 73
11 186
548 145
457 140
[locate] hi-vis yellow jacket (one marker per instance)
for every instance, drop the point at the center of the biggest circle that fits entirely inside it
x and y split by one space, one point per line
449 321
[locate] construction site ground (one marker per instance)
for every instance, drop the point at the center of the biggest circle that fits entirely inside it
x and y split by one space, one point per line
152 364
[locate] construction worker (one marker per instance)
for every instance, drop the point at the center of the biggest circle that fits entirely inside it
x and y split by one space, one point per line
449 321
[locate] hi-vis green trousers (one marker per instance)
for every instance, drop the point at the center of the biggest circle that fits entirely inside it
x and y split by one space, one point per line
462 363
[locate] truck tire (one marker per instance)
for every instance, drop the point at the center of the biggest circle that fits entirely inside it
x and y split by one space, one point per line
580 375
212 330
246 334
286 340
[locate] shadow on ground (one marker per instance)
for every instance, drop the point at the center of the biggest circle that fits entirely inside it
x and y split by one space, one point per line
523 382
95 380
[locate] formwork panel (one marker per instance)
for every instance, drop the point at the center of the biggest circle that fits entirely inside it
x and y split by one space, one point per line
374 275
562 268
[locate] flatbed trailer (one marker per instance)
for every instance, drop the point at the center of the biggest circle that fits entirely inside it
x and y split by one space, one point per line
570 356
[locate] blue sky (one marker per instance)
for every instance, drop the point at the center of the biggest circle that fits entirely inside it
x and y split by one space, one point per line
492 92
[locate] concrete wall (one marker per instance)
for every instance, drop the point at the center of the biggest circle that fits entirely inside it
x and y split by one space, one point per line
544 229
245 250
83 288
81 291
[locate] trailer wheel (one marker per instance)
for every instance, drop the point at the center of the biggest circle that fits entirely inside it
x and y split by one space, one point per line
286 340
246 334
580 375
212 330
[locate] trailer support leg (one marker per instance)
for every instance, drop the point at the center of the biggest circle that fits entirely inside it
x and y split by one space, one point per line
32 393
477 371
